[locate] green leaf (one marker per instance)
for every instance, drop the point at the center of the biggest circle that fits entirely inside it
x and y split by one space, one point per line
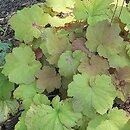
93 66
127 126
25 91
61 5
54 45
6 88
21 123
97 10
69 62
125 16
60 22
92 94
80 10
7 107
127 48
58 117
122 59
39 99
46 75
104 39
114 120
1 29
92 10
122 81
29 95
21 66
4 49
23 21
83 123
5 46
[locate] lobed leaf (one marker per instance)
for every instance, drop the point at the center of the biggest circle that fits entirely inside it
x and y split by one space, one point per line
125 16
92 94
23 21
21 66
104 39
48 79
61 5
58 117
4 49
80 10
69 62
114 120
54 45
92 10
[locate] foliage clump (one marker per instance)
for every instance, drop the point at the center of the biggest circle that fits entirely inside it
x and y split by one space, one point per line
72 68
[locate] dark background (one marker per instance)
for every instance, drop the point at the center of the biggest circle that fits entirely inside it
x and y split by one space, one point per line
8 6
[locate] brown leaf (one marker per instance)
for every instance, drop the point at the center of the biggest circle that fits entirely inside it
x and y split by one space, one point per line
95 65
48 79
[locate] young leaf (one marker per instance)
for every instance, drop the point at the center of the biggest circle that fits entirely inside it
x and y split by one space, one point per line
7 107
23 21
92 93
93 66
114 120
58 117
6 88
21 66
48 79
69 62
104 39
125 16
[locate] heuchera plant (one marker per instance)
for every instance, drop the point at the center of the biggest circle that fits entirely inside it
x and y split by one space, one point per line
82 49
